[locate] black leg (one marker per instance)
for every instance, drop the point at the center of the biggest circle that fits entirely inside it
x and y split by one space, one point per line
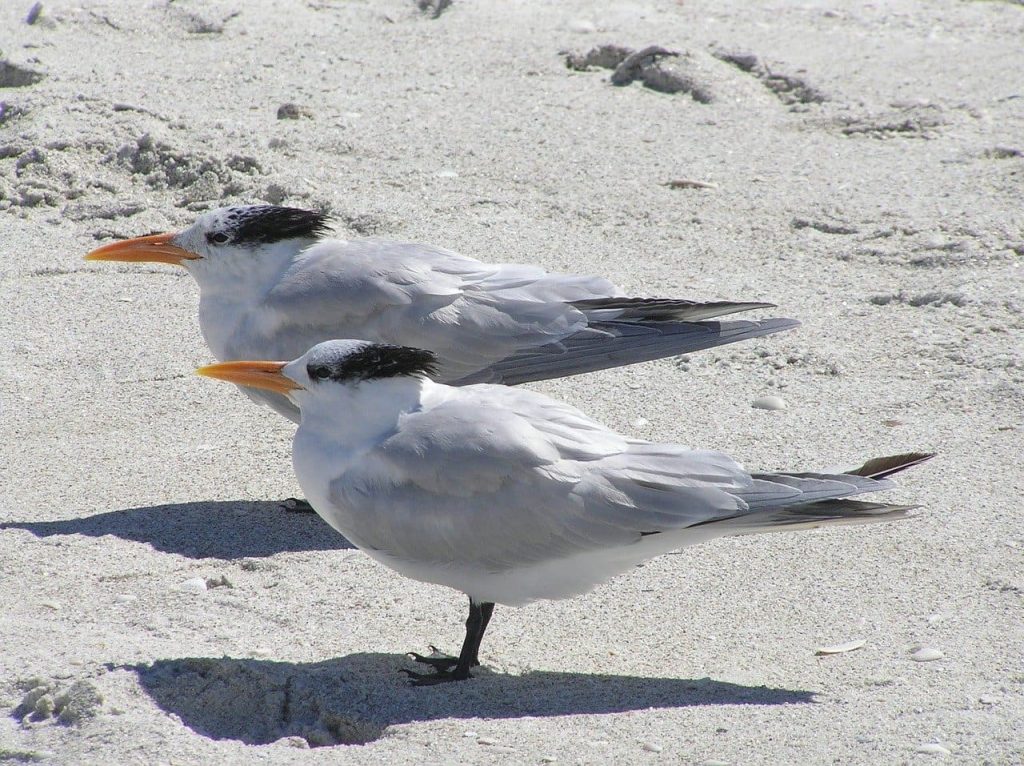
486 610
450 668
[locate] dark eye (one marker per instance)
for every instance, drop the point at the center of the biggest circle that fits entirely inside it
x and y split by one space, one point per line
217 238
320 372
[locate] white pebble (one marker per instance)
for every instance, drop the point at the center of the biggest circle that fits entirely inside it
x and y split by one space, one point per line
934 618
927 654
125 598
652 747
638 422
470 734
582 26
714 762
933 748
194 585
769 403
50 604
446 174
261 653
847 646
988 699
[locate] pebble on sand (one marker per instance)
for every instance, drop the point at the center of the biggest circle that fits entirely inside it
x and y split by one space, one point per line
194 585
652 747
769 403
926 654
846 646
290 111
934 748
582 26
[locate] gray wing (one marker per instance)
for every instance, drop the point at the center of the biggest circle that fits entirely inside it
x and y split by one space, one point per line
502 478
470 314
603 345
486 322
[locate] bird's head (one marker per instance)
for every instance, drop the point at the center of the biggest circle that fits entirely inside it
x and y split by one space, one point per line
228 239
326 367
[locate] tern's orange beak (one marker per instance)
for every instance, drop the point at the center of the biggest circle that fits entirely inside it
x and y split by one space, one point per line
156 248
265 375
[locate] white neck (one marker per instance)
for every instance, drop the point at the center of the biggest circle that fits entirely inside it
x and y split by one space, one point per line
233 288
351 416
243 270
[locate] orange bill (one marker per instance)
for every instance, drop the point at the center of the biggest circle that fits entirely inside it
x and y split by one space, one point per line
266 375
156 248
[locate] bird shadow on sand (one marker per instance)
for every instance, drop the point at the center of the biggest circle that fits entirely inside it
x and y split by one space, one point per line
354 699
213 529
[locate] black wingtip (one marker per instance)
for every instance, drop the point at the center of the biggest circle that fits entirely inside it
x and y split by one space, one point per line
666 309
881 467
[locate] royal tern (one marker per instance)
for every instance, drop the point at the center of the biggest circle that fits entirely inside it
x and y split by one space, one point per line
510 496
272 284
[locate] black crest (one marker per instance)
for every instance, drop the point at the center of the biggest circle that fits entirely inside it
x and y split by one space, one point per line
263 224
373 362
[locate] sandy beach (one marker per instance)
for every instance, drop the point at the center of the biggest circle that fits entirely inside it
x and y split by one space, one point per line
861 165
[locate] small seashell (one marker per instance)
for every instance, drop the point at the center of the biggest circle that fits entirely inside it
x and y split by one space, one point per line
769 403
652 747
927 654
846 646
933 748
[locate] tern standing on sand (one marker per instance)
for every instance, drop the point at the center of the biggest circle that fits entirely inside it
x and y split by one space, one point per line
272 285
510 496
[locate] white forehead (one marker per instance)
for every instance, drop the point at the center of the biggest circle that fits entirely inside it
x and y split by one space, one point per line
194 237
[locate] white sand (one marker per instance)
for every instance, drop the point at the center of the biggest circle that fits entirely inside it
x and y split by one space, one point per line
887 218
